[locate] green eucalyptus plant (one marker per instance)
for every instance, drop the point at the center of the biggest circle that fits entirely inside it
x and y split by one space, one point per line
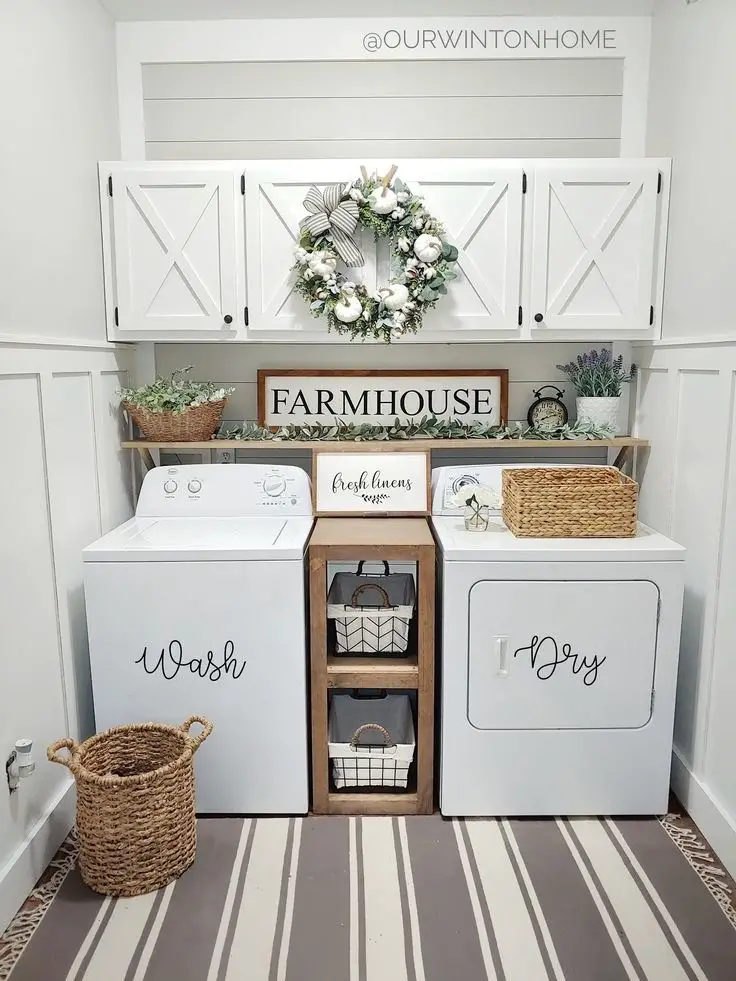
597 374
429 427
175 394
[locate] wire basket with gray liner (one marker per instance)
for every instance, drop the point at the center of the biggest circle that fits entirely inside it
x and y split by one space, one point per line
135 804
372 614
371 740
570 502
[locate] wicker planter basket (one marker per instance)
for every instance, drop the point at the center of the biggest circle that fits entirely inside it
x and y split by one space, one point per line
570 502
191 426
135 804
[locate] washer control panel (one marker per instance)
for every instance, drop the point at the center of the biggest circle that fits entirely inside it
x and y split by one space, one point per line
233 490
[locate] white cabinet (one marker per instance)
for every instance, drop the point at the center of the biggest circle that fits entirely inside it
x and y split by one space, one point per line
597 233
479 203
565 249
172 257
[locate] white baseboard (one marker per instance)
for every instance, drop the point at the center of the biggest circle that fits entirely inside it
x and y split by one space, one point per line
24 867
717 826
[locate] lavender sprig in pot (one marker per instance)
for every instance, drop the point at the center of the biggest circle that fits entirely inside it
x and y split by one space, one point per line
598 377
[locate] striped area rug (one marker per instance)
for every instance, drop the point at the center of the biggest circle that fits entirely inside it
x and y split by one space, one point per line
402 899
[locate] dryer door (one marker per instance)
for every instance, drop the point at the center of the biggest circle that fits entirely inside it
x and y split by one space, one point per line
571 654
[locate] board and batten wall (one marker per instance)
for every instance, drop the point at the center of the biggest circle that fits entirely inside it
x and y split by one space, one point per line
65 479
380 111
686 395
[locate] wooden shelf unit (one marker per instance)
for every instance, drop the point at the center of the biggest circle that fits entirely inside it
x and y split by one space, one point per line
348 540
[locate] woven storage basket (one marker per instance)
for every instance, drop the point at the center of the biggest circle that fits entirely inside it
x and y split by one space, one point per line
135 804
191 426
570 502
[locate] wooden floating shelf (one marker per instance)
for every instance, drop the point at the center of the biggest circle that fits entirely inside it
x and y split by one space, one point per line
394 444
372 672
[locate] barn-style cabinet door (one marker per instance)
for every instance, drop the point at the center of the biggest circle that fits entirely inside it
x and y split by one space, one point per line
173 250
479 203
596 250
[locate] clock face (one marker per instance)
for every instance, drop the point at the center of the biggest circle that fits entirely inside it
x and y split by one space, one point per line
548 414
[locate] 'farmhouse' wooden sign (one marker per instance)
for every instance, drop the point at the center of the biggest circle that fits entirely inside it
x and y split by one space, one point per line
303 397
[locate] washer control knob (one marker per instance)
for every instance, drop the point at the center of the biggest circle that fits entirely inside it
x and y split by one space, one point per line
194 486
274 485
170 486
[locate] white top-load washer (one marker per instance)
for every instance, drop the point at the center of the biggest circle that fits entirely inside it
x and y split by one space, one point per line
196 606
558 665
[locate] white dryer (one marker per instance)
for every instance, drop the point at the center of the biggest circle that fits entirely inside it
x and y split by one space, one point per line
196 606
558 666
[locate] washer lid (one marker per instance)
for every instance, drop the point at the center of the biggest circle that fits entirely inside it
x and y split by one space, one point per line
498 544
199 539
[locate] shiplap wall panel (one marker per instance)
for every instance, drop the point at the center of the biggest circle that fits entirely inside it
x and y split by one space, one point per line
284 110
360 79
381 149
391 117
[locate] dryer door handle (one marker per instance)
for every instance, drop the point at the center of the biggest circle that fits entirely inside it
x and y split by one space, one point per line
502 655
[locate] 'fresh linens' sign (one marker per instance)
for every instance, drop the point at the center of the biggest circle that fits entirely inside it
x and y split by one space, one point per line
394 481
297 397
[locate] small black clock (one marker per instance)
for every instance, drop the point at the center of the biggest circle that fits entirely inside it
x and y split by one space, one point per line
547 412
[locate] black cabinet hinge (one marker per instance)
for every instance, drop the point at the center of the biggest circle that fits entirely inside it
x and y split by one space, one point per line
521 316
109 185
523 182
117 318
245 316
242 183
659 183
651 316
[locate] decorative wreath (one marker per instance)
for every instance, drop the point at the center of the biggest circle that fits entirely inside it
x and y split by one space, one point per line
422 261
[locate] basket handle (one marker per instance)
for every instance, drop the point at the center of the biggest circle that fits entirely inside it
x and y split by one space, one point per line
362 563
197 741
53 752
370 585
371 725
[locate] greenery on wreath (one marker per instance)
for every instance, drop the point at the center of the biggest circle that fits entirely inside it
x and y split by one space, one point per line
428 427
422 260
175 393
597 374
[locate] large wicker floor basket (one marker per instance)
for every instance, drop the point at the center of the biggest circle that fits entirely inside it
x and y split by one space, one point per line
135 804
191 426
570 502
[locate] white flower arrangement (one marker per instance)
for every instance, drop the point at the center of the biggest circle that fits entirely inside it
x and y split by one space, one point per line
422 273
476 494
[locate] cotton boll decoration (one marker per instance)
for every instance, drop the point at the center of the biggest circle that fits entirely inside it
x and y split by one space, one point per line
428 248
382 202
396 296
348 309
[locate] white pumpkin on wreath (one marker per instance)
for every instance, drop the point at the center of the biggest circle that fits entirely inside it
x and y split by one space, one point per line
422 260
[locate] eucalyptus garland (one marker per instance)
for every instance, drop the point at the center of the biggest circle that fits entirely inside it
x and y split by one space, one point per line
422 260
428 427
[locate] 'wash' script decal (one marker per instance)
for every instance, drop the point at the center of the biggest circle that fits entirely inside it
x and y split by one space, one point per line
546 655
171 661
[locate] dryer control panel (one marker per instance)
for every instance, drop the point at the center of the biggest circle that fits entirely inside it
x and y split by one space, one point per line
213 490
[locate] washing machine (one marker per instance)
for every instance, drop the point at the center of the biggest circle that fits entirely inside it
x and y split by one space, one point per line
558 666
197 606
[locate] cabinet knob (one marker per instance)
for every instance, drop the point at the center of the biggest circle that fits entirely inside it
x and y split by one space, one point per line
227 318
539 317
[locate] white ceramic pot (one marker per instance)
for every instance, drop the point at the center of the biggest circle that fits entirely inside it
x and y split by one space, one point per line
601 412
476 517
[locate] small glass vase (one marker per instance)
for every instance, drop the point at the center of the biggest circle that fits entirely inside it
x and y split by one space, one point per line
476 516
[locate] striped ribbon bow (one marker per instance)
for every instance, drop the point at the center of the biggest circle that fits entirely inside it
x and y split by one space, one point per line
328 213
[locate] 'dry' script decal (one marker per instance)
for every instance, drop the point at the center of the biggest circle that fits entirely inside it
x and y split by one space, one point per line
546 655
171 661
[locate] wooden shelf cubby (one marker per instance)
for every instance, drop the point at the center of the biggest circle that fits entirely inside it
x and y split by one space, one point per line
348 540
